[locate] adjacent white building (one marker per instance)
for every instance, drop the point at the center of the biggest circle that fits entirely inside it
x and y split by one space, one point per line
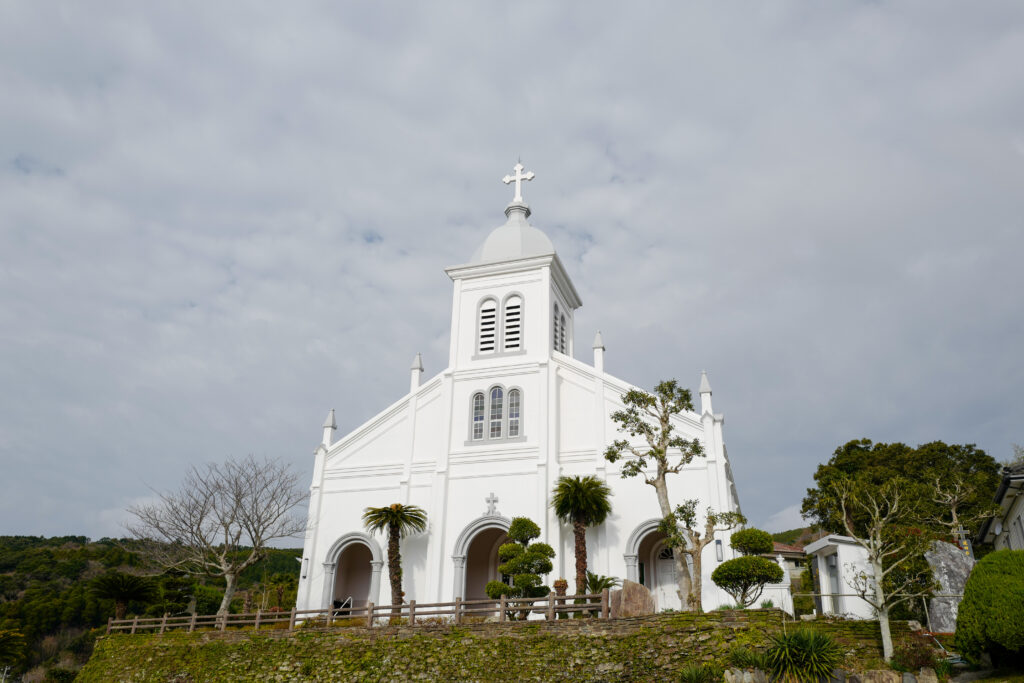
485 440
1006 529
836 560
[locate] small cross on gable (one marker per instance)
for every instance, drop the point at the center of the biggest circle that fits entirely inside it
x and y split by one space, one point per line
518 178
492 503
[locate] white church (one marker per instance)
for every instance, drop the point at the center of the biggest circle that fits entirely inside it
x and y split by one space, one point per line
485 440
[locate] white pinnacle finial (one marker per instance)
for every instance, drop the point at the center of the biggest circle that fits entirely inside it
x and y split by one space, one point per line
519 177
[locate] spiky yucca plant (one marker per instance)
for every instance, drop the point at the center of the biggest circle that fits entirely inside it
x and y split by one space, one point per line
803 656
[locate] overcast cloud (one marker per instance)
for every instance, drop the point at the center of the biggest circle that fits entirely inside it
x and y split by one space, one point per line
218 223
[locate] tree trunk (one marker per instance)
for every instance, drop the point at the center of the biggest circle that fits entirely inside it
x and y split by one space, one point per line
120 609
395 569
883 612
694 600
231 582
678 554
579 531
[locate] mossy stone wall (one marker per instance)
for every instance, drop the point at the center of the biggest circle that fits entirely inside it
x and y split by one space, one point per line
636 649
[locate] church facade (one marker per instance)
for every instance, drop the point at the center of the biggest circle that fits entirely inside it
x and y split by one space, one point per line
486 439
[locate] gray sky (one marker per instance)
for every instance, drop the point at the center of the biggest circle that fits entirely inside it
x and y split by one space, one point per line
216 224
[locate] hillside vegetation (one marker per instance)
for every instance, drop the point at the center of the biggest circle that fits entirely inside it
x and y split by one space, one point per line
45 594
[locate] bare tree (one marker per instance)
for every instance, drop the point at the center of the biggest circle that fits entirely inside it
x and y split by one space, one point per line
650 416
686 538
888 536
953 494
221 520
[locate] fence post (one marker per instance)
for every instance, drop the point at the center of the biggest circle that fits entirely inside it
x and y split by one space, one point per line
369 615
291 621
551 606
259 613
135 623
163 624
192 623
604 604
412 613
501 615
223 622
110 623
458 610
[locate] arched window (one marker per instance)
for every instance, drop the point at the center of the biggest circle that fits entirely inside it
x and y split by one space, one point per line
554 344
513 413
478 416
497 412
513 327
487 325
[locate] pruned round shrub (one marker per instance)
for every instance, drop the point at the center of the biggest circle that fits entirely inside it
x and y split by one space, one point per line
745 577
751 542
989 618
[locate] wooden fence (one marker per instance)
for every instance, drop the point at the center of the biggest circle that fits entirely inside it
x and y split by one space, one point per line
411 613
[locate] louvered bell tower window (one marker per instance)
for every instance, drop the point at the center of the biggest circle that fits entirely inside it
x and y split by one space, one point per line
488 326
513 328
554 328
561 334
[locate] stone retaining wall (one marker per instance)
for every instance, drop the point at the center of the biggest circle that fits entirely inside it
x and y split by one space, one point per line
631 649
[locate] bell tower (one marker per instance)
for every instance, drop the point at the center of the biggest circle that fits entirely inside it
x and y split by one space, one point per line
513 301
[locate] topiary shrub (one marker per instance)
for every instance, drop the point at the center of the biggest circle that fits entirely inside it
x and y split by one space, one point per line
744 578
803 656
524 561
751 541
989 618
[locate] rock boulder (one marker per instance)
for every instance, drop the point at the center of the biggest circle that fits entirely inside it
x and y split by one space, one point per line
950 567
632 600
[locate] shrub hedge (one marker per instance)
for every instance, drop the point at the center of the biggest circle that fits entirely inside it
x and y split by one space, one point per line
989 618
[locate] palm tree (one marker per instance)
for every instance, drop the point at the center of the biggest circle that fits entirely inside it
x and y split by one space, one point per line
124 588
597 583
399 520
582 502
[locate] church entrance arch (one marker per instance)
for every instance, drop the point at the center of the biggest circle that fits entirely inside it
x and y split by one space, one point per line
352 571
476 555
649 561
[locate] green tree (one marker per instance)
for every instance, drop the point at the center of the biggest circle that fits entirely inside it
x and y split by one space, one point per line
927 469
12 647
582 502
686 536
523 561
751 541
883 519
649 417
124 588
744 578
398 520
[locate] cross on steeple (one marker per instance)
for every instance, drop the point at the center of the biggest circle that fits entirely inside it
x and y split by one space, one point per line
519 177
492 502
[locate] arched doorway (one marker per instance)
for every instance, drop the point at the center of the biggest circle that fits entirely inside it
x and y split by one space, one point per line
352 570
475 555
649 561
482 562
352 576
